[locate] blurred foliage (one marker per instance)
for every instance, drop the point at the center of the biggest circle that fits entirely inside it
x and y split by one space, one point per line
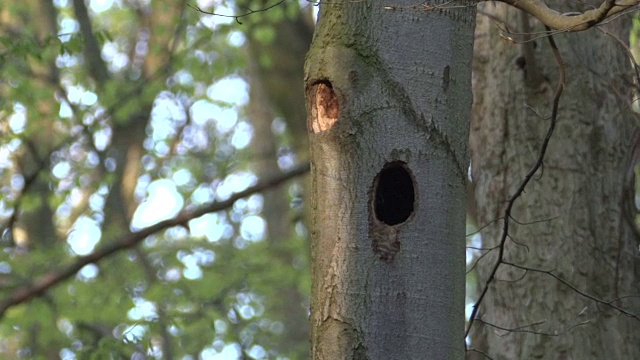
634 37
176 91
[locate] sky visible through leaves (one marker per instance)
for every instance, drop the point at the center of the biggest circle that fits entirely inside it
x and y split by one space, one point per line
162 200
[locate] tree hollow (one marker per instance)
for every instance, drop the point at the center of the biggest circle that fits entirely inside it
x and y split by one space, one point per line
394 194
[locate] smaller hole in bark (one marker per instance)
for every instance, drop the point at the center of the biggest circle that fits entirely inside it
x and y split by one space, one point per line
394 194
446 77
325 108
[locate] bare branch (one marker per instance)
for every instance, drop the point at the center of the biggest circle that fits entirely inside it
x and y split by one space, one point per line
571 22
53 278
567 22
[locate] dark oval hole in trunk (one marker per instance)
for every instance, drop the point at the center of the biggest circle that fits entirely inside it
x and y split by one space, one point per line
394 194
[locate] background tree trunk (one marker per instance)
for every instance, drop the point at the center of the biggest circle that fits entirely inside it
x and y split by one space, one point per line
36 208
570 218
388 102
275 75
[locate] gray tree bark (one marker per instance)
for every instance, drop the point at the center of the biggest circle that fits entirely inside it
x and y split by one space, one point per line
570 218
388 102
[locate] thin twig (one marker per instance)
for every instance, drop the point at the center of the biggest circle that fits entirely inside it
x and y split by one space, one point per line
522 329
523 184
572 287
479 352
237 18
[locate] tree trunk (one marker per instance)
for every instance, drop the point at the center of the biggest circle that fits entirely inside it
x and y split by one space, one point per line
570 219
292 302
388 106
33 161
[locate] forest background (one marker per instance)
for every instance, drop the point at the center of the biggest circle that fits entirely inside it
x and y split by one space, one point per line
152 172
